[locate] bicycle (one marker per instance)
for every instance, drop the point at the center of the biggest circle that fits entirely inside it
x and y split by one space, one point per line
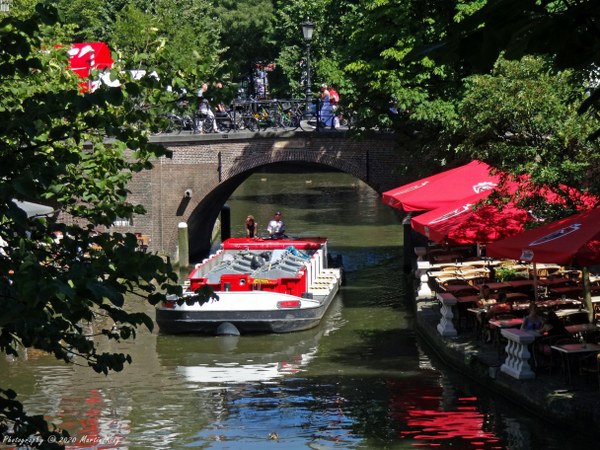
290 115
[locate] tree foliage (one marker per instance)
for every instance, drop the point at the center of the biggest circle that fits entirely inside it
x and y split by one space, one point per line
568 31
63 296
523 118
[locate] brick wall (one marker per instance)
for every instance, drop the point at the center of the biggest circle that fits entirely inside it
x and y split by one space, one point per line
207 165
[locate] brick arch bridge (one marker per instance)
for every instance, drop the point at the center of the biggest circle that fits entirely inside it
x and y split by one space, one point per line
193 185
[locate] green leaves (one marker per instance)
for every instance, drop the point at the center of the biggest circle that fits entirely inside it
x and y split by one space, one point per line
67 282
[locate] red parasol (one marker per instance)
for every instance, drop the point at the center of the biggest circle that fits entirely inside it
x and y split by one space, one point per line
458 223
443 188
86 56
574 241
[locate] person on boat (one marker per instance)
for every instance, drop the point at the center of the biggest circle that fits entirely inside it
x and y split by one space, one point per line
276 227
251 226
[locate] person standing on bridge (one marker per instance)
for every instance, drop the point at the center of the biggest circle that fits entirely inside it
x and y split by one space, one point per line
204 109
276 227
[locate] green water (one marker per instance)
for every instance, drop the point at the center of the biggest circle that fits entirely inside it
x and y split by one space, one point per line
360 380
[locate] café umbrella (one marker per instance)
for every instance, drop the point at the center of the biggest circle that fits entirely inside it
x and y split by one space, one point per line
573 241
463 222
443 188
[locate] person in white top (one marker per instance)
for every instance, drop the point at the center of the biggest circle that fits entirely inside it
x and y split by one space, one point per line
276 227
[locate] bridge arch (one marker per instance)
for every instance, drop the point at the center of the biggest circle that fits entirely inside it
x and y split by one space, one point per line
203 171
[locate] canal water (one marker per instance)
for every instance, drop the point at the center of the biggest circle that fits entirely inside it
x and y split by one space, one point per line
360 380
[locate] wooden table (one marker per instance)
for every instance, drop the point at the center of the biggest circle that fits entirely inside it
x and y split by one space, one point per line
455 288
567 351
506 323
581 329
463 303
498 325
519 284
555 282
567 290
494 286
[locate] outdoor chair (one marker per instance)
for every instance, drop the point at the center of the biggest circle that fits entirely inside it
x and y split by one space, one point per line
590 365
543 356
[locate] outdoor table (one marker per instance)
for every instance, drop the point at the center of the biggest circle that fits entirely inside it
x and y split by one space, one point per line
555 282
494 285
582 329
477 314
564 313
567 351
498 325
517 297
517 284
567 290
557 304
506 323
463 302
455 288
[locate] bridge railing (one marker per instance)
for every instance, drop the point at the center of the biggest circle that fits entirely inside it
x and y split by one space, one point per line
254 115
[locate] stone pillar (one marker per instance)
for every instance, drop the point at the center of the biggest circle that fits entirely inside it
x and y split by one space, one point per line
517 353
423 290
446 326
184 247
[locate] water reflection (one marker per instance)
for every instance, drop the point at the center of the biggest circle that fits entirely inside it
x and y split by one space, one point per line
218 361
362 379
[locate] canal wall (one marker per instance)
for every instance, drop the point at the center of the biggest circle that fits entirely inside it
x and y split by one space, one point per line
547 395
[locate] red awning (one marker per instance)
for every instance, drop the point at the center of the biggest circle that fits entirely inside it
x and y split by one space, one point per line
574 241
443 188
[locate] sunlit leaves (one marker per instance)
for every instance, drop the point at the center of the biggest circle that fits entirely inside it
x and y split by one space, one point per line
65 279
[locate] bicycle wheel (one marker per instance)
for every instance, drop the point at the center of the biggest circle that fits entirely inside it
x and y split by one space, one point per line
207 125
250 123
286 120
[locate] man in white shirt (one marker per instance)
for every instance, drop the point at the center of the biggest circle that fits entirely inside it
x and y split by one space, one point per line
276 227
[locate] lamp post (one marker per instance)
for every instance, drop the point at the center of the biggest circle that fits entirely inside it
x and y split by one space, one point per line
307 31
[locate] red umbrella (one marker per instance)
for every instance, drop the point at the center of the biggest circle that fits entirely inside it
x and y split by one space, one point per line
86 56
443 188
574 241
459 223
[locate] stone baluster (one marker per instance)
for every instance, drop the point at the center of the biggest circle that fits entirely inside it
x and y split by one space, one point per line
423 290
517 353
446 326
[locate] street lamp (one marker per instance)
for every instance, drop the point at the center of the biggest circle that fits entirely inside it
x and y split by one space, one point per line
307 31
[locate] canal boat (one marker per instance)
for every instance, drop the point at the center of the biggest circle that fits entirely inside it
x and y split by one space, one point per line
263 286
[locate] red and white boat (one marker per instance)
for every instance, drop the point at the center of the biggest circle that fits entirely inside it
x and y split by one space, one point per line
263 285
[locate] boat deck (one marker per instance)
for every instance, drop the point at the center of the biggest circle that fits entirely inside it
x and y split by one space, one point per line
270 265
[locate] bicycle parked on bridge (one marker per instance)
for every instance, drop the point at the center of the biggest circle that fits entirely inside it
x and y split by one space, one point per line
250 115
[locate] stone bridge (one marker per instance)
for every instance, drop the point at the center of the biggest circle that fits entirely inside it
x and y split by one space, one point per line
193 185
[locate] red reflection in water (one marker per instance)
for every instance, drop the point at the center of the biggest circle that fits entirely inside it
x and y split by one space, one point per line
423 417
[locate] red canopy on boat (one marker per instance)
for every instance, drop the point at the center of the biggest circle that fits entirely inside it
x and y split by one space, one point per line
459 223
443 188
573 241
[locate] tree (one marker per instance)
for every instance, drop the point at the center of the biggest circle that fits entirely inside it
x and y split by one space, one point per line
53 151
249 38
566 30
522 118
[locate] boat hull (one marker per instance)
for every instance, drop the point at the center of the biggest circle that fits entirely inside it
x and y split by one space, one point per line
201 320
